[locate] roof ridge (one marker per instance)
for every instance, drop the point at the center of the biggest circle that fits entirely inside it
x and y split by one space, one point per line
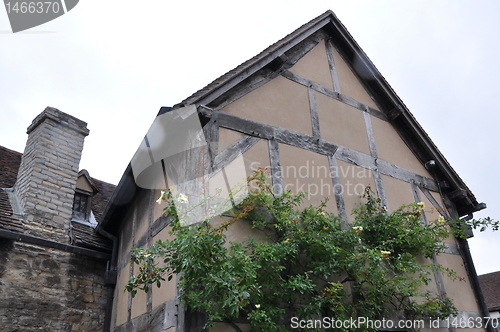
10 150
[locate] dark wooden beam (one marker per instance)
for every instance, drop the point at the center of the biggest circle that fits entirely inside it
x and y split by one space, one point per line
336 95
331 64
275 160
232 152
337 189
314 113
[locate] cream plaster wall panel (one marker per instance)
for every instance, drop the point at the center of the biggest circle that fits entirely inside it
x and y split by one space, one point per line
164 235
349 83
438 199
279 102
459 291
397 192
314 66
139 301
342 124
231 179
142 216
354 180
432 214
121 298
306 171
432 286
257 156
240 230
391 148
228 137
125 240
168 288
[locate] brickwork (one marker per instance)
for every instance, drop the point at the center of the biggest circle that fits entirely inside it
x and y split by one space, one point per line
48 290
47 176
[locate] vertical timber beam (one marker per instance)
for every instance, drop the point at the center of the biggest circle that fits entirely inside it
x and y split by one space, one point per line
337 189
313 107
373 152
274 158
331 63
438 278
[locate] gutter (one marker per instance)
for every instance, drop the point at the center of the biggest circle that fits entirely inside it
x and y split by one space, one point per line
464 245
110 277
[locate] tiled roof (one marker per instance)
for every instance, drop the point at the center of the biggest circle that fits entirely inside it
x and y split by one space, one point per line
83 235
9 164
490 284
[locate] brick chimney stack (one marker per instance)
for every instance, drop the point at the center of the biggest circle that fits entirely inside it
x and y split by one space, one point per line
48 173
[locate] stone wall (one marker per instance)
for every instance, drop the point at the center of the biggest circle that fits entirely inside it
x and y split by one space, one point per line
43 289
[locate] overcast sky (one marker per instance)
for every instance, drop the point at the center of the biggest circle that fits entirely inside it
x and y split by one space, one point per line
114 63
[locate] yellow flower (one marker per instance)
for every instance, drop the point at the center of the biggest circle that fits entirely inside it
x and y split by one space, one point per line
357 229
286 240
441 218
182 198
384 253
163 197
421 205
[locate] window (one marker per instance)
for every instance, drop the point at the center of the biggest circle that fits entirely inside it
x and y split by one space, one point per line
81 206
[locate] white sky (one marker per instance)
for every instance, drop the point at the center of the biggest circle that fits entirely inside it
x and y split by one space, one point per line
114 63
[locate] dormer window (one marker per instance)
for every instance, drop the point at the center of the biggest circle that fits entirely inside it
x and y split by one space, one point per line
82 200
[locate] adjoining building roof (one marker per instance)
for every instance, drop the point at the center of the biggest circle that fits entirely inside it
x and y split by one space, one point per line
84 236
9 164
270 60
490 284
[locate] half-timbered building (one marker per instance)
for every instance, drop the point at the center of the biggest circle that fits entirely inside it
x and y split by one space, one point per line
316 112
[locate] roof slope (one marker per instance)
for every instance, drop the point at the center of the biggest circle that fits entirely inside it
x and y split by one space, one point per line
83 236
490 284
9 164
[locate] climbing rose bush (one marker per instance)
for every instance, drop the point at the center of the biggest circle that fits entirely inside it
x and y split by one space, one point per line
307 263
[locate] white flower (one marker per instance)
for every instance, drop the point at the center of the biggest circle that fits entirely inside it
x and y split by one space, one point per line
257 306
357 229
182 198
384 253
163 197
421 205
441 218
